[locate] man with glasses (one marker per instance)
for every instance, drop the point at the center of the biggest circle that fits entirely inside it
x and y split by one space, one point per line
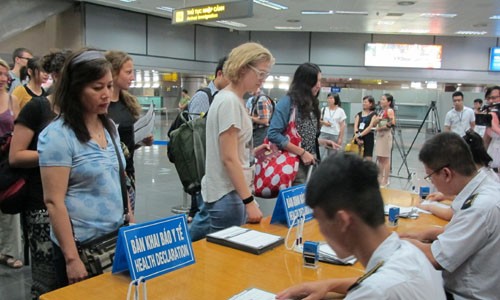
20 58
467 249
460 118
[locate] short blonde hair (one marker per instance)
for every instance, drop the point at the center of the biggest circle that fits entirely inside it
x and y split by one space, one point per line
4 64
242 56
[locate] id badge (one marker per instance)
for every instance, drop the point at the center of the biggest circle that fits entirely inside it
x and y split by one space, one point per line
361 126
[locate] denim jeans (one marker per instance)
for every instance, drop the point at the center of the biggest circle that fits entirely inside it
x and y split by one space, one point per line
201 220
226 212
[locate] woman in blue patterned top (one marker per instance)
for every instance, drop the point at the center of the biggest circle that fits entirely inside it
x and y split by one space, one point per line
78 162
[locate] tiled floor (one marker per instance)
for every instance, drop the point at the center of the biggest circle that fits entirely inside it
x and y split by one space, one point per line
159 191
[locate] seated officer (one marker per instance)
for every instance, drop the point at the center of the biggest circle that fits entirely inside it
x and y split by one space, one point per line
350 214
467 249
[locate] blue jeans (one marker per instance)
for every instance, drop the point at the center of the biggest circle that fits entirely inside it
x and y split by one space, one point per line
226 212
201 220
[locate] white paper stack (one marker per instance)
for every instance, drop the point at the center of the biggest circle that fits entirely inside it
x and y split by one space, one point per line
326 254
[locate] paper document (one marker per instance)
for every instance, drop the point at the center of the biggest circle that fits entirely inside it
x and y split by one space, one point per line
327 254
144 126
245 239
253 294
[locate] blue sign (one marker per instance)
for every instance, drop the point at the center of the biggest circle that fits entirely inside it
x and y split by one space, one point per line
290 205
335 89
495 59
154 248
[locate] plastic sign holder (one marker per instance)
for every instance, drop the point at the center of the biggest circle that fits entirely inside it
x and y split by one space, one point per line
290 205
154 248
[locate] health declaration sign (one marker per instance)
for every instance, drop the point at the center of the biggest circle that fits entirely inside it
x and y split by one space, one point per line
154 248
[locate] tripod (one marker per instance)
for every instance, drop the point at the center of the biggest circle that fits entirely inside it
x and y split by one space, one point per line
400 146
436 128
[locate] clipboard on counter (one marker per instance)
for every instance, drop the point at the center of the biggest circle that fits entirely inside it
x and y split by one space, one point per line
244 239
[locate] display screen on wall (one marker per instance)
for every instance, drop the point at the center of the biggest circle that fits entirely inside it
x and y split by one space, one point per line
495 59
403 55
213 12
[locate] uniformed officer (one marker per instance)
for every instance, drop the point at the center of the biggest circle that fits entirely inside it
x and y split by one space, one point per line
350 214
467 249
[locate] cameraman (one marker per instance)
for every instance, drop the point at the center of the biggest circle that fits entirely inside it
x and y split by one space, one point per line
492 136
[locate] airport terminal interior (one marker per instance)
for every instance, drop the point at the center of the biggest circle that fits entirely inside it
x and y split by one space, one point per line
456 54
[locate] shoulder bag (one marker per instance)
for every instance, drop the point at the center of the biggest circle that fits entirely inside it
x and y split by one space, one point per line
276 169
98 254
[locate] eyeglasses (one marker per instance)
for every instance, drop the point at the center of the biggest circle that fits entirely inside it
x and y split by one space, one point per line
260 74
27 58
492 97
429 177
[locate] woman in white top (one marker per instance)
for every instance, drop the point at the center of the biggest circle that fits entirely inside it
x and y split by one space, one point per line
225 188
333 124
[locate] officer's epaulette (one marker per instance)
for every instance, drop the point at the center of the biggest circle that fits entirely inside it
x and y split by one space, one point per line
366 275
468 202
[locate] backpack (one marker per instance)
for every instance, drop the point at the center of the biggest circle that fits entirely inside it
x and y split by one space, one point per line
186 149
12 185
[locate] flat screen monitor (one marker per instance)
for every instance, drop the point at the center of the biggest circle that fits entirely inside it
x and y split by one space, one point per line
403 55
495 59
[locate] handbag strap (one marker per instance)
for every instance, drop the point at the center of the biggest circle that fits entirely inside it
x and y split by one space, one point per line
122 182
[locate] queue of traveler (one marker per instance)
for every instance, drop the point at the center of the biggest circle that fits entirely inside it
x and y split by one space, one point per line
66 141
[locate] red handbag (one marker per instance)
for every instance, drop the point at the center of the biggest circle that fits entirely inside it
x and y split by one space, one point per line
277 169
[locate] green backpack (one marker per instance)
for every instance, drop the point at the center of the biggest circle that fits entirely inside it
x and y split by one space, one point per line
188 144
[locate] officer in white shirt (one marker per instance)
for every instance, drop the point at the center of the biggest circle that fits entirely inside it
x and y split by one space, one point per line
460 118
468 248
350 214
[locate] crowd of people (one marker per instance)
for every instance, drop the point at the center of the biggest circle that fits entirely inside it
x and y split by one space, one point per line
65 142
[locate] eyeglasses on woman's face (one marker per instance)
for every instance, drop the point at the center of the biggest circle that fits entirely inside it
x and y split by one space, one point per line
260 74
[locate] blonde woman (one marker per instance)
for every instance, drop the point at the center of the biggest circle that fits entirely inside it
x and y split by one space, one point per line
225 188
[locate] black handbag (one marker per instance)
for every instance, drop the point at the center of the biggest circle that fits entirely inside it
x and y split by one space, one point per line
98 254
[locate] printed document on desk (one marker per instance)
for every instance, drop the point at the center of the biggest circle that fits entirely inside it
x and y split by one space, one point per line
244 239
253 294
143 127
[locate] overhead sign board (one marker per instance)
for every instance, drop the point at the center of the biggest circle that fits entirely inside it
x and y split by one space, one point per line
213 12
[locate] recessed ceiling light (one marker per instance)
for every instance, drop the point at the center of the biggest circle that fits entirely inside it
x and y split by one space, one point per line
232 23
416 31
496 17
127 1
317 12
271 4
346 12
288 27
438 15
165 8
406 3
467 32
385 23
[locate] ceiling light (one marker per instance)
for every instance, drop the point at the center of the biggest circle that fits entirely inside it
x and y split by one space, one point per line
406 3
127 1
432 85
466 32
232 23
284 78
405 86
416 31
416 85
385 23
288 27
284 86
346 12
394 14
431 15
165 8
317 12
496 17
271 4
270 78
268 85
